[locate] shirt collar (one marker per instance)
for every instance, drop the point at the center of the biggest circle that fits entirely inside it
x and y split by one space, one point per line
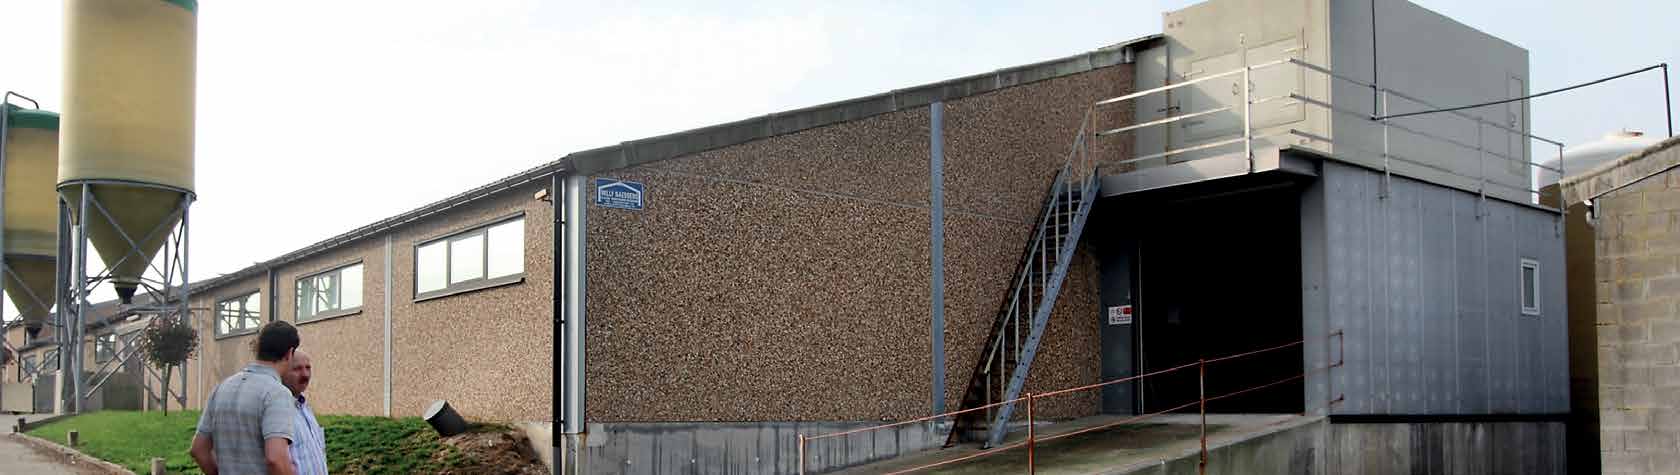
262 369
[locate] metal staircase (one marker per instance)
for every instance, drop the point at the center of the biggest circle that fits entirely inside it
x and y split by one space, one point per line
1002 371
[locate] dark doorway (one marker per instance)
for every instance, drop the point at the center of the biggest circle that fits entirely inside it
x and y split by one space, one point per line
1220 274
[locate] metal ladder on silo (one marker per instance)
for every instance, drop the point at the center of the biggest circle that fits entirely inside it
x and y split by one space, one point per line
1001 371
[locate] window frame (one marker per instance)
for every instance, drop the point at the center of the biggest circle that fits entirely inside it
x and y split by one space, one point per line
28 366
297 310
482 230
216 327
1526 288
111 348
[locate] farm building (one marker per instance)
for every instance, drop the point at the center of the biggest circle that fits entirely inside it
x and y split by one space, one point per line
701 297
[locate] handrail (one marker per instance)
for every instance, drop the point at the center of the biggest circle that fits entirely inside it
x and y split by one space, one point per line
1245 136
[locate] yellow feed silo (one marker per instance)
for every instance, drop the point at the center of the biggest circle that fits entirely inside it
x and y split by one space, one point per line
128 125
31 227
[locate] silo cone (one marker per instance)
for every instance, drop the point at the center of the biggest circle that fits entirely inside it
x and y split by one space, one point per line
128 124
31 227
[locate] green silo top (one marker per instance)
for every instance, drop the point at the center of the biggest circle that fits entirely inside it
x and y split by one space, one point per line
30 118
190 5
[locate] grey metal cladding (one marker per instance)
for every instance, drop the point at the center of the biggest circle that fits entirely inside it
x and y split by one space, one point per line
1428 294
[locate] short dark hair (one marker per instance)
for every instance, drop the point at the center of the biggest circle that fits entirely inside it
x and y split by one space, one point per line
275 339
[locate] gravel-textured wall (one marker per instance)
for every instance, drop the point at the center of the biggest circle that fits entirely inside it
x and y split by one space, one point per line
346 351
488 351
219 358
788 278
780 279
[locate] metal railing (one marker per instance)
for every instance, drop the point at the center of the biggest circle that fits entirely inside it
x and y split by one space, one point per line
1030 400
1247 136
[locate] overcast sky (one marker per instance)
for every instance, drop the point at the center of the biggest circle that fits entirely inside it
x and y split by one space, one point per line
315 117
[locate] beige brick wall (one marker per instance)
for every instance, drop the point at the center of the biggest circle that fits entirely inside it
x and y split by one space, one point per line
1638 244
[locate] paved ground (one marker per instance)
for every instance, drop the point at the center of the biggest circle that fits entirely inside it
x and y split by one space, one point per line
1096 451
20 458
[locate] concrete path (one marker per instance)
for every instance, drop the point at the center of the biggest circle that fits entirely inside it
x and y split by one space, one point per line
1112 450
20 458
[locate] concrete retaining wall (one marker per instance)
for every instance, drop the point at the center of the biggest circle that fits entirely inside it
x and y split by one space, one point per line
747 447
1327 448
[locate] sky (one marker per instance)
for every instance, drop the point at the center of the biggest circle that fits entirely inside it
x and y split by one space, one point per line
316 117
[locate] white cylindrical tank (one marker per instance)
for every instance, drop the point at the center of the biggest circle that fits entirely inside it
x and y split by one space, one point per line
129 75
31 227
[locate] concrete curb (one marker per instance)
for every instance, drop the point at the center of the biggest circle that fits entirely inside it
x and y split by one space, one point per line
77 455
42 422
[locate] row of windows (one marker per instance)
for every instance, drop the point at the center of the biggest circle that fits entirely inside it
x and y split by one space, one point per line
46 364
485 256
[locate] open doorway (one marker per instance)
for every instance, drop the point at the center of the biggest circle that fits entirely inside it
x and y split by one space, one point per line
1220 274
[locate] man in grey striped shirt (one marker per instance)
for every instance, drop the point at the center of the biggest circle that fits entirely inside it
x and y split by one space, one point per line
309 450
248 422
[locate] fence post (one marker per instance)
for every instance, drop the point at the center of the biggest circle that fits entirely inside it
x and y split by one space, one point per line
1201 398
1031 436
801 454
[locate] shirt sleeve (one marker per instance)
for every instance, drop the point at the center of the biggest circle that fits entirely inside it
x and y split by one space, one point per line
205 422
279 410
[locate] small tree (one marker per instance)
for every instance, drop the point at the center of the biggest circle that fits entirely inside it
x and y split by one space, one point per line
167 343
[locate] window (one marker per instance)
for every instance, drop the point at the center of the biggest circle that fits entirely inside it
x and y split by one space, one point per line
28 366
43 336
239 315
1530 287
472 259
49 362
104 347
330 294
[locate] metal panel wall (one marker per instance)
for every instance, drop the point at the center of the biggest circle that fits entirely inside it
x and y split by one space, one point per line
1446 63
1428 294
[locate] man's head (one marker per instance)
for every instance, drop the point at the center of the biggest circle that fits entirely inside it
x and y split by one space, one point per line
297 379
275 343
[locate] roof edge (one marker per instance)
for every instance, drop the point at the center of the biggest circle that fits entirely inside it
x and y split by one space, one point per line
664 147
1621 172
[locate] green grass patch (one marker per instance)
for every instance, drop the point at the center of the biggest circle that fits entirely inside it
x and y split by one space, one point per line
131 438
355 444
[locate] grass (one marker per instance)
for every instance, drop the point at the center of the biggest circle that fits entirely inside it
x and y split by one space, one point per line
355 444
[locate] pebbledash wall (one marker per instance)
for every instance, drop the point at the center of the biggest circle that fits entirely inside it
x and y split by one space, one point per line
487 351
774 278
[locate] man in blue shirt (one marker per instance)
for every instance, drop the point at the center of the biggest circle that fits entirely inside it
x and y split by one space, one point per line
249 422
309 450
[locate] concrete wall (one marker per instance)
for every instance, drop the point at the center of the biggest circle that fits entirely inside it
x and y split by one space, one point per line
1322 447
788 278
1428 295
746 447
1638 285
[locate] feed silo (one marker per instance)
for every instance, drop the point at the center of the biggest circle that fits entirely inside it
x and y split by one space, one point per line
31 213
128 128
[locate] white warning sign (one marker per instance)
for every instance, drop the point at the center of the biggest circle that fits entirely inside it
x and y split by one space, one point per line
1120 315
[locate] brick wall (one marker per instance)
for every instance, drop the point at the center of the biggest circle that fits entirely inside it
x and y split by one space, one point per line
1638 286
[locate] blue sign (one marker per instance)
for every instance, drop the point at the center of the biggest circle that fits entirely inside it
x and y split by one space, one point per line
610 193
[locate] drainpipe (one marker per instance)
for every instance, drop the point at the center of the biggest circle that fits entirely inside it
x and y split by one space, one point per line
571 228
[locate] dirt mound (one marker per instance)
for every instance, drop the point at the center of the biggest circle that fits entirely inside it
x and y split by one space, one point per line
489 452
